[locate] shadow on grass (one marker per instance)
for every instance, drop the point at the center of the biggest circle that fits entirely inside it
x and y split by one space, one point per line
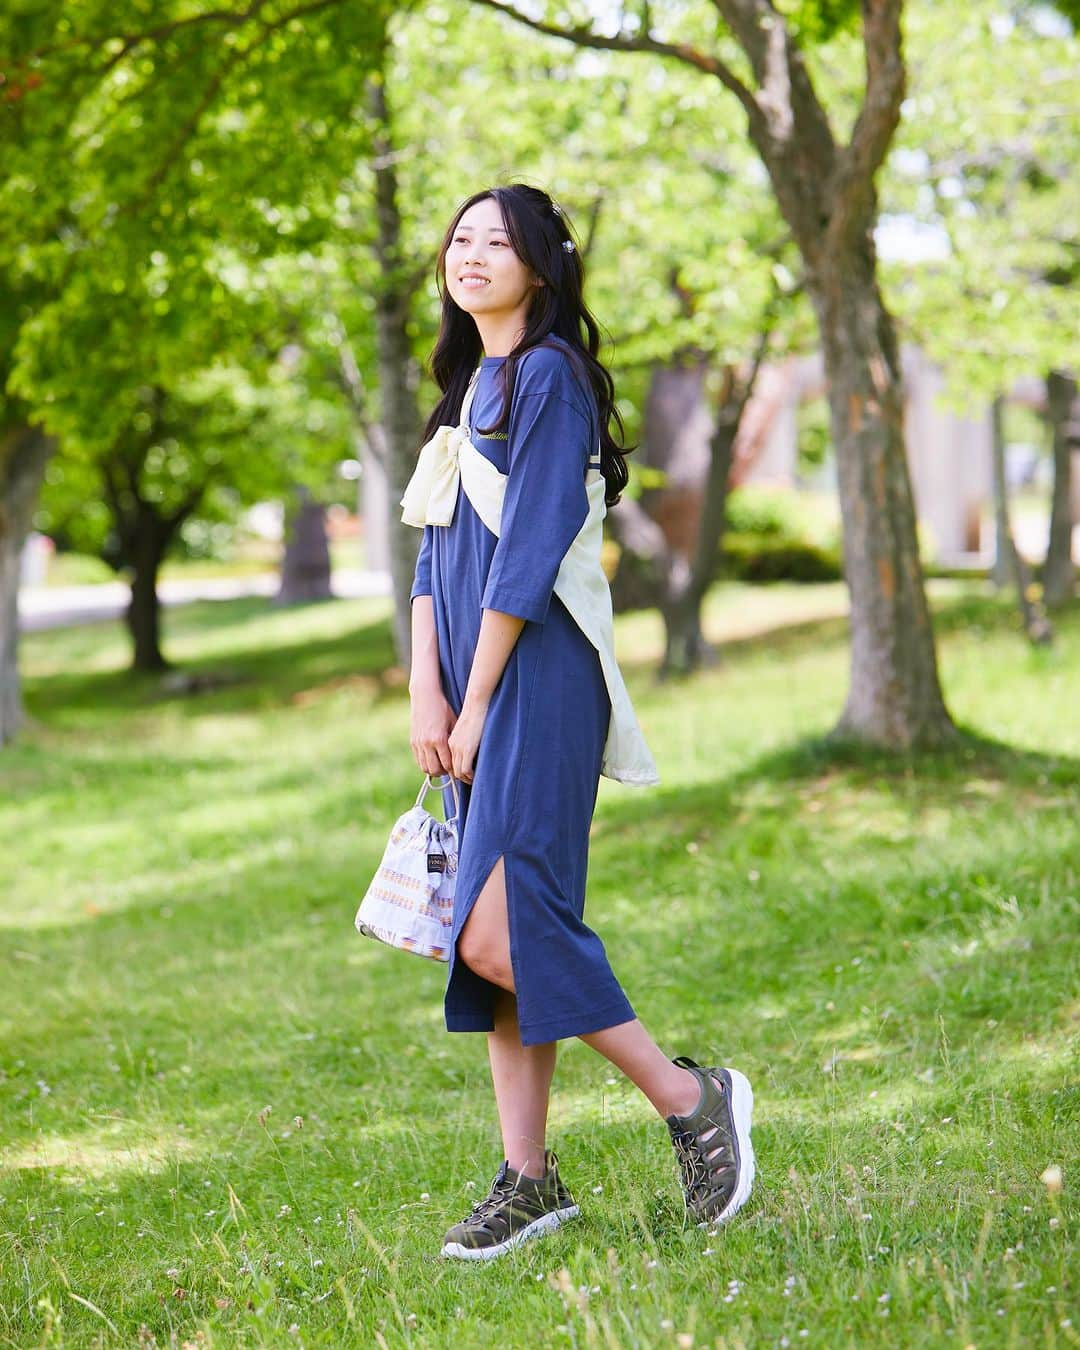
249 677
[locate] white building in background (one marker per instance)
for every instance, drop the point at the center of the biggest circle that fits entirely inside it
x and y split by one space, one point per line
949 452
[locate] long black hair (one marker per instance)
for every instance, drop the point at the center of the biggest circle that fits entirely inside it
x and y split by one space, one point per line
537 229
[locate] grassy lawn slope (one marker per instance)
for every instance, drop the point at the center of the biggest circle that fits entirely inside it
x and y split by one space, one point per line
227 1119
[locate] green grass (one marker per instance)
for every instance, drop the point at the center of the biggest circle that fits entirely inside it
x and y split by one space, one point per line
227 1119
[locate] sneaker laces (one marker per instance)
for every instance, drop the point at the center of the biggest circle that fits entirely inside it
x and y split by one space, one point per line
502 1188
701 1162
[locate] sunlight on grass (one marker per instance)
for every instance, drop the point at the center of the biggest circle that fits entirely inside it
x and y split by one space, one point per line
886 945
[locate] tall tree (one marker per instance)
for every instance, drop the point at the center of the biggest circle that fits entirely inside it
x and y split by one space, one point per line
1058 573
825 190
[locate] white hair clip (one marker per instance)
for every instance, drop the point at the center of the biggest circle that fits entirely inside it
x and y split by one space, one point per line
568 244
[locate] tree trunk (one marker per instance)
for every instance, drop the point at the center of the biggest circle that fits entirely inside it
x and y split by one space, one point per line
399 373
150 538
672 564
305 568
24 452
894 698
1058 575
1035 622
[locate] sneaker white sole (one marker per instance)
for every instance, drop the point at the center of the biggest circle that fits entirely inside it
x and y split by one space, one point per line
742 1108
546 1223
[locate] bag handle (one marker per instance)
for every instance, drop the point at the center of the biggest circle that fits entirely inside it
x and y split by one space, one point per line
427 785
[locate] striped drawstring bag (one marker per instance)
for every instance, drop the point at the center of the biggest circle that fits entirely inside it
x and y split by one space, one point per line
410 902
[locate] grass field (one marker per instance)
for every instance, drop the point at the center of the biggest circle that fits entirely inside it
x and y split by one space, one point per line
226 1119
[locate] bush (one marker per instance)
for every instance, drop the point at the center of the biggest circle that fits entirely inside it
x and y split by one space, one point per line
762 511
764 557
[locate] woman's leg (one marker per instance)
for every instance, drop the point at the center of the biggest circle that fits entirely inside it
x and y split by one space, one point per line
521 1074
484 945
672 1091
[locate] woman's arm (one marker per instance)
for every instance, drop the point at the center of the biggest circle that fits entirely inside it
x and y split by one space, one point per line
432 718
498 633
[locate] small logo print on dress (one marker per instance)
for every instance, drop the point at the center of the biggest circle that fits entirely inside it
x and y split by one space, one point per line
436 862
494 436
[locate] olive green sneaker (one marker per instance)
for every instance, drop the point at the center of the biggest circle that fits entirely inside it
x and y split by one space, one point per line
716 1157
516 1208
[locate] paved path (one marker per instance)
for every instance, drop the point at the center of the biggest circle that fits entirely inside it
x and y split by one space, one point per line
62 606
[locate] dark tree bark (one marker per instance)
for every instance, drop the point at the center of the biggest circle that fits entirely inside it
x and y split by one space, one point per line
143 534
671 540
1058 574
149 540
399 373
1034 619
24 452
305 568
825 191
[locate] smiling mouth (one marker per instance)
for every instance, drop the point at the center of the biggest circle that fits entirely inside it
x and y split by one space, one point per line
475 282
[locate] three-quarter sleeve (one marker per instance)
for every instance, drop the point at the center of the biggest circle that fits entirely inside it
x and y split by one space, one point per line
548 440
422 576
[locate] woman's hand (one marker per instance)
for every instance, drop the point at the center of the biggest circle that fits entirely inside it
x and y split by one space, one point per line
431 723
465 739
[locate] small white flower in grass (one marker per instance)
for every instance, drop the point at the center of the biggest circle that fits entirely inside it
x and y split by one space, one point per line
803 1333
611 1082
209 1213
1065 1323
784 1342
410 1318
883 1298
1019 1284
597 1190
652 1264
285 1209
1051 1288
294 1329
1000 1312
684 1340
173 1273
708 1251
1051 1179
866 1218
938 1162
317 1262
1027 1209
668 1324
355 1184
1055 1222
279 1264
633 1286
946 1120
424 1195
470 1185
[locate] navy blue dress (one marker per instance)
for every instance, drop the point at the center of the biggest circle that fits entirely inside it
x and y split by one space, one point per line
537 768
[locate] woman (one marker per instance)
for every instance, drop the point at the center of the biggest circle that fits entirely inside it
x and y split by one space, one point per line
511 697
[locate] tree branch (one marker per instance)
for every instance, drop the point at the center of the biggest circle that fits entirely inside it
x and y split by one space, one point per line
677 51
877 120
130 41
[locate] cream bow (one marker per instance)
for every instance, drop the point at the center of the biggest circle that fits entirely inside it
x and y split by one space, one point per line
432 491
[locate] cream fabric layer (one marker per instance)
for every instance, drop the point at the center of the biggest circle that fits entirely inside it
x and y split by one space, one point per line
450 460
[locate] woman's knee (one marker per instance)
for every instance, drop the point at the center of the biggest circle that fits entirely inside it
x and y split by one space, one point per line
486 953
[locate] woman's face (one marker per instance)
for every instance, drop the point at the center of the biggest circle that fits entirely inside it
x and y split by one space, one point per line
483 273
